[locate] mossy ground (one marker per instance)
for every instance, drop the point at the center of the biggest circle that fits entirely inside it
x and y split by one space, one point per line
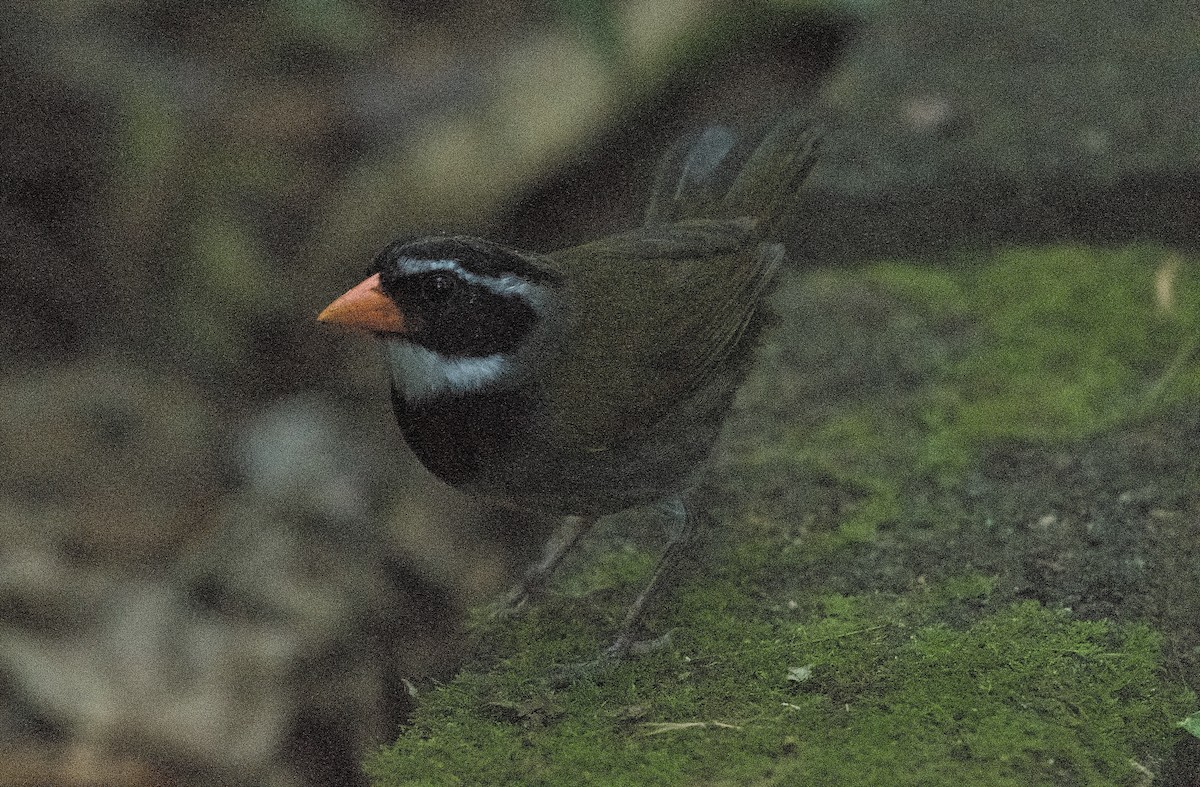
953 540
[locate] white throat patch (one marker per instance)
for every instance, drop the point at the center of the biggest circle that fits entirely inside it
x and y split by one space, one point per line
420 373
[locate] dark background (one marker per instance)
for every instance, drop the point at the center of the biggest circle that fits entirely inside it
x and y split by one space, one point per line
217 560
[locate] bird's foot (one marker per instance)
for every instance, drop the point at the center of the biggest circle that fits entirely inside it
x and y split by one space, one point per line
517 600
624 646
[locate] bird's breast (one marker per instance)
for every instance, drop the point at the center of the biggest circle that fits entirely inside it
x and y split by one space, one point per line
500 444
463 438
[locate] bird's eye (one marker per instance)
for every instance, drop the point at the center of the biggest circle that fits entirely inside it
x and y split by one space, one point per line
437 287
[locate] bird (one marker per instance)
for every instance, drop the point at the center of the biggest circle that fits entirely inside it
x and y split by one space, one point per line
593 379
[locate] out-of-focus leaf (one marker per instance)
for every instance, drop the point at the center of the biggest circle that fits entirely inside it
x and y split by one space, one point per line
597 19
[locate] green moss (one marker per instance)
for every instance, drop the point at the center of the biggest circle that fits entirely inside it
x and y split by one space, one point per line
1191 724
1042 345
879 691
770 679
1069 341
938 293
856 449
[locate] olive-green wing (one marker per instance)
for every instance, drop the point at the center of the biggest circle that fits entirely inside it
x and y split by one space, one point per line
660 310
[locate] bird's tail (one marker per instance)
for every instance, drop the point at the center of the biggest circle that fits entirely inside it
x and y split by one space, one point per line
694 180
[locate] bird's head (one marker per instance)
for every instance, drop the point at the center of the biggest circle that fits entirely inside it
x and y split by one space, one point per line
456 314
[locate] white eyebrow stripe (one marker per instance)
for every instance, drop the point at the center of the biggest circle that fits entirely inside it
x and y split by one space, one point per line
508 284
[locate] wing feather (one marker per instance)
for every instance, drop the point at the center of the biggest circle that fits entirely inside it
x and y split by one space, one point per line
628 364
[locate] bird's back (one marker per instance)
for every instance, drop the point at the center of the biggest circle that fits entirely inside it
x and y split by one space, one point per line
661 323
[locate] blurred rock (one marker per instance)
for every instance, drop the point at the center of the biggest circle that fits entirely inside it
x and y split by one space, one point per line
1029 90
976 125
115 465
304 453
154 620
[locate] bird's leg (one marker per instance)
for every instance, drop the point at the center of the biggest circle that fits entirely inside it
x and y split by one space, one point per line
536 577
683 528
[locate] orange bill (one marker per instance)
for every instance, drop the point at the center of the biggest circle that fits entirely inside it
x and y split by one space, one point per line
365 308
